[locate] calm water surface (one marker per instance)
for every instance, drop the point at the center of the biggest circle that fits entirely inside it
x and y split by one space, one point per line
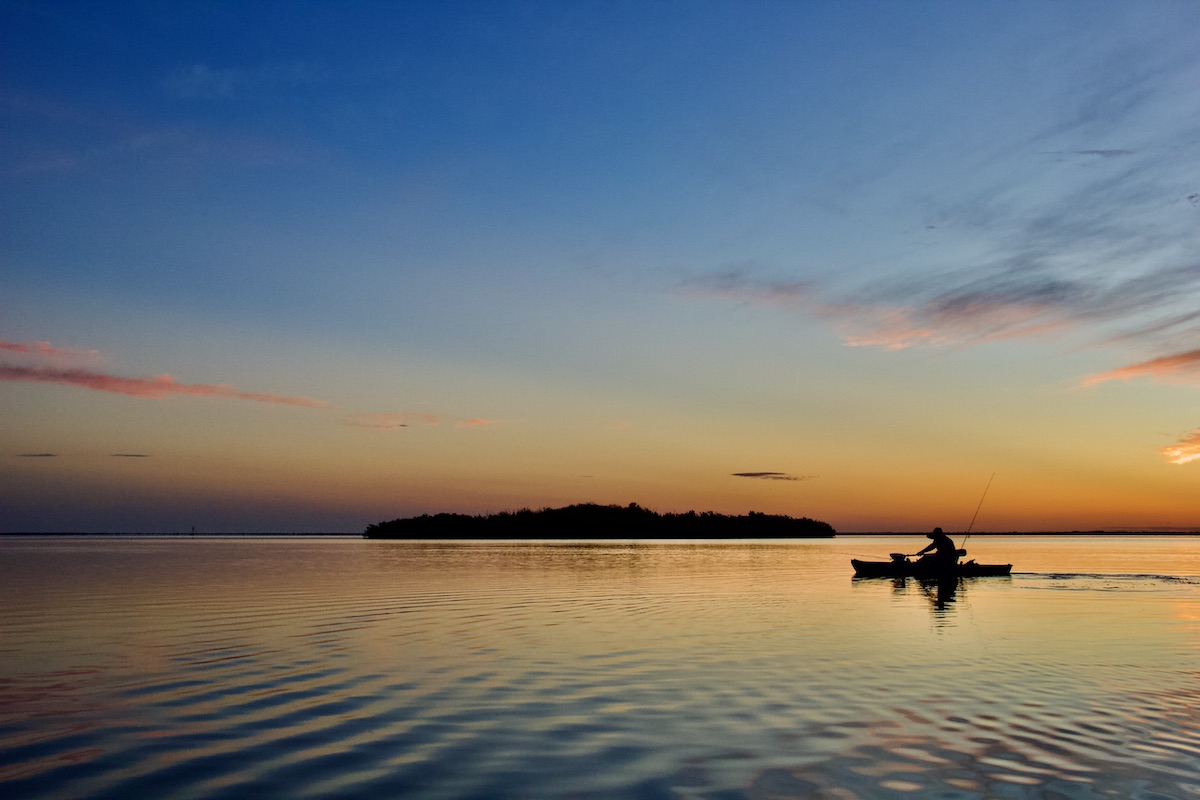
133 667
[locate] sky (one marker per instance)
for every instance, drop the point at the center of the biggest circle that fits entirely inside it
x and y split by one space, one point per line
306 266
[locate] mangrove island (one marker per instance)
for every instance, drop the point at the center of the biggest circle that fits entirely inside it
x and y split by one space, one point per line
592 521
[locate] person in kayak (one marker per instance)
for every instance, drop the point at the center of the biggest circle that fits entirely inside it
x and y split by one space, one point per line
947 554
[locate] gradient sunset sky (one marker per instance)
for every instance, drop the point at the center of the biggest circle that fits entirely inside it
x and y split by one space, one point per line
305 266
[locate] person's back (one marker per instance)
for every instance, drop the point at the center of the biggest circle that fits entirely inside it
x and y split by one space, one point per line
946 554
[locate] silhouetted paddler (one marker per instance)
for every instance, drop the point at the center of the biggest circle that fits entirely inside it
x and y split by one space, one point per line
947 554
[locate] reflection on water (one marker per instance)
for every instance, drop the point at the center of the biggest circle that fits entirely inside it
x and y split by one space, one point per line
940 592
346 668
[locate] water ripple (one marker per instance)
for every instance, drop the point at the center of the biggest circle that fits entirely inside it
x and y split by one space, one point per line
695 673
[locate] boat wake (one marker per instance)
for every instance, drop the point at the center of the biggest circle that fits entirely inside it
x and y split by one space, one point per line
1131 580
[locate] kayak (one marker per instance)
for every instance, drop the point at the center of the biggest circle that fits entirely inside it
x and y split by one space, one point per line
901 567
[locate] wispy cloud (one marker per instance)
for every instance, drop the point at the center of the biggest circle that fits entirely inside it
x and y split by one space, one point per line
1085 227
397 420
152 387
80 139
773 476
1177 368
1113 153
739 286
43 362
970 314
390 420
1109 254
1023 299
203 81
1187 449
55 455
46 350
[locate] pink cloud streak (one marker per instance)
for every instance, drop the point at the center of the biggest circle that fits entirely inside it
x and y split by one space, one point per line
477 423
1179 367
156 387
45 350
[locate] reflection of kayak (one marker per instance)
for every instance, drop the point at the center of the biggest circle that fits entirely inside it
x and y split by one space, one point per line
901 567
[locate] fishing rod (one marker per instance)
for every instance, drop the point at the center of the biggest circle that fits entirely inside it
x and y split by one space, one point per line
972 525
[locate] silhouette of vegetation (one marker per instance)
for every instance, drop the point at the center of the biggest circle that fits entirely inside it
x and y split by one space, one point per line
592 521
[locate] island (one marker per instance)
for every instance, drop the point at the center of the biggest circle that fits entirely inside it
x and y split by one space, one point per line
593 521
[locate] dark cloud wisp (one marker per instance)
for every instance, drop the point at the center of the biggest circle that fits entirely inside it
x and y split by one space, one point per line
773 476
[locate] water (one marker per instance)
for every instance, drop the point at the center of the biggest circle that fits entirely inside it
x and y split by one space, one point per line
304 667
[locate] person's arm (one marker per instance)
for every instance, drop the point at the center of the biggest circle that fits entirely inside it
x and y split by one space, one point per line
928 547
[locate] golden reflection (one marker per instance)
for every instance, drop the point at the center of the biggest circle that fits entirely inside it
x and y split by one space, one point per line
487 660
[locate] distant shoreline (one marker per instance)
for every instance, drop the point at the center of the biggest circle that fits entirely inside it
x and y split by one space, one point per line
1146 532
187 535
359 535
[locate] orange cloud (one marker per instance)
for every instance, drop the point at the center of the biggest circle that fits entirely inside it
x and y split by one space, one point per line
390 420
478 423
155 387
1185 450
891 329
1181 367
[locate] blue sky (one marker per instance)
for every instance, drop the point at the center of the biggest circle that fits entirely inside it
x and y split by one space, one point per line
884 248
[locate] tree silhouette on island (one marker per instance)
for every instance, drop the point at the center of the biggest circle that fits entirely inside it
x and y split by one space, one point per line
593 521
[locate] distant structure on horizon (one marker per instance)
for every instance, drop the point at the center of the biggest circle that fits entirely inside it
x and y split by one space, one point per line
593 521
